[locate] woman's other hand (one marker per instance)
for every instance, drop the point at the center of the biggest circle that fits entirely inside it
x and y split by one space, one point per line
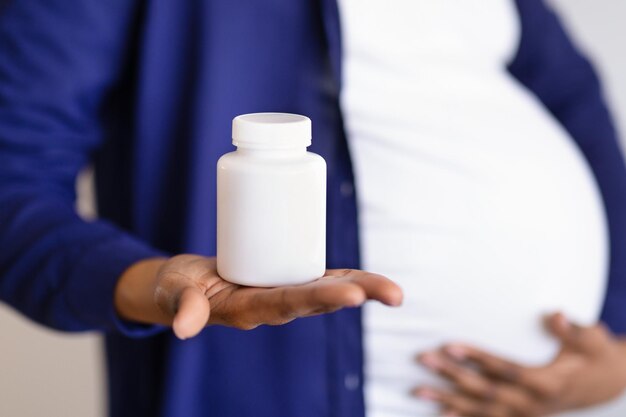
589 370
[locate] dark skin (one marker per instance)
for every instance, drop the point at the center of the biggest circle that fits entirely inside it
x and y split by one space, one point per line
186 292
589 370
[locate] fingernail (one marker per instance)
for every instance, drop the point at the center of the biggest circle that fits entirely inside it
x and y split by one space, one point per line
426 394
456 351
431 361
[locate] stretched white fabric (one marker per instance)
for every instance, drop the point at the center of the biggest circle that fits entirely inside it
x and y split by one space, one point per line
471 196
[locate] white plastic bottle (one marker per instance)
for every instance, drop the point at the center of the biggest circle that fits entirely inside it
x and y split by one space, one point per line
271 203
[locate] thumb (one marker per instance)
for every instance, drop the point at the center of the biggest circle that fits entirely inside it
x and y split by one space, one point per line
191 313
560 327
574 336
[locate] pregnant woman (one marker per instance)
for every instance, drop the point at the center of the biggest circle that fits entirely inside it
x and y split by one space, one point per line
494 218
465 121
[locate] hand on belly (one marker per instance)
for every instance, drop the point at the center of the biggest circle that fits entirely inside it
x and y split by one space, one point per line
589 370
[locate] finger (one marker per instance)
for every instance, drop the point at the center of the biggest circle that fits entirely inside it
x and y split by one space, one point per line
560 327
333 292
488 363
587 339
250 307
536 380
280 305
456 404
568 333
476 385
183 303
192 313
376 287
467 380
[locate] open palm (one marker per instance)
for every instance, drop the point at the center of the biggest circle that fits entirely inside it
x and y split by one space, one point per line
191 295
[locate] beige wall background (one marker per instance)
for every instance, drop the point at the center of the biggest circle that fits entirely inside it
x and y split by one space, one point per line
52 374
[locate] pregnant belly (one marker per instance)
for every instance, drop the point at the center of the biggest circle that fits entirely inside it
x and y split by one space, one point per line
488 284
485 239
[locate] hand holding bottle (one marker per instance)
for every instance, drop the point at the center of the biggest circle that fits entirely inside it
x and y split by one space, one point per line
186 292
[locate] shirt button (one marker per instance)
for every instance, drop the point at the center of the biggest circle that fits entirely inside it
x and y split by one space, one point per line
346 189
352 382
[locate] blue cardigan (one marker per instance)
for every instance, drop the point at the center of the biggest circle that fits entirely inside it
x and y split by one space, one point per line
146 90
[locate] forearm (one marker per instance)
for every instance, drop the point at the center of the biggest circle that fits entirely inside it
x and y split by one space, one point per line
56 268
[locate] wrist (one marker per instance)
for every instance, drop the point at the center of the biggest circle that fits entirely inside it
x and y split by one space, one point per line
134 293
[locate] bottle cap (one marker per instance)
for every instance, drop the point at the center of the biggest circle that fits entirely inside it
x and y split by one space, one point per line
271 131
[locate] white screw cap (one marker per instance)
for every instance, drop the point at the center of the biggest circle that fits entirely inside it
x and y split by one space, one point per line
271 131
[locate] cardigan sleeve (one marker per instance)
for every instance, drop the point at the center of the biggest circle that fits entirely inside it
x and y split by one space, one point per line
58 60
550 65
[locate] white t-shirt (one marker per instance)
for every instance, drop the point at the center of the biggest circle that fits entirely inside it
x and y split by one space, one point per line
471 196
